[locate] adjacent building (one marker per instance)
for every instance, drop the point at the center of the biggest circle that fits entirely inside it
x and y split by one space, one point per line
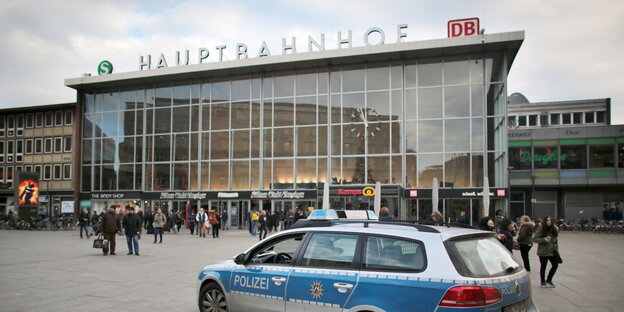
565 158
40 140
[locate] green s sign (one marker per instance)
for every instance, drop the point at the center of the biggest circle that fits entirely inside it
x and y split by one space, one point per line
105 68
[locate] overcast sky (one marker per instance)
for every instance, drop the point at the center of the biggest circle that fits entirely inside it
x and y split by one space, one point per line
572 50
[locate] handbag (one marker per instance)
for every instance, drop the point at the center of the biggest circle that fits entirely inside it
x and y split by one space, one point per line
100 242
558 256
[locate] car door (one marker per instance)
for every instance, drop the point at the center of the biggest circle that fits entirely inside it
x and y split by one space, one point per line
325 275
260 284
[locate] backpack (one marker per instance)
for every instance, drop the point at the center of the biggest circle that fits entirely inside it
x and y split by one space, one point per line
254 216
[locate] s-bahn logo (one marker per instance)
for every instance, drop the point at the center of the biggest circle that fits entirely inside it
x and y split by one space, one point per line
368 191
105 68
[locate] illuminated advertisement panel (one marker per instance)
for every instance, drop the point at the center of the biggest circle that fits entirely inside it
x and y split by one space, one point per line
27 189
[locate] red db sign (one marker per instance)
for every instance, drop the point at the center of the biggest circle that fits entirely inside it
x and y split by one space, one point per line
463 27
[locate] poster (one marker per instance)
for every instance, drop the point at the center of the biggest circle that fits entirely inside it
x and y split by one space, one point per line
27 189
67 207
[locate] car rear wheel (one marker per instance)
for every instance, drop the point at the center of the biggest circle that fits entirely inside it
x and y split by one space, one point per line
212 299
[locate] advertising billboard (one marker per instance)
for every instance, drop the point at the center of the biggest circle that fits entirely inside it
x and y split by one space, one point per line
27 189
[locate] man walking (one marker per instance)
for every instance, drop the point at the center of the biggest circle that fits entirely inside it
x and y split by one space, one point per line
201 222
132 224
83 220
224 220
110 225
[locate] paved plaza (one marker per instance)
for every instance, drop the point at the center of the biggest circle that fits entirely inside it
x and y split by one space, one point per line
57 271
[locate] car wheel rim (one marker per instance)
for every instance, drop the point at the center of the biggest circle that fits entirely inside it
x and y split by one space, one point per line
214 301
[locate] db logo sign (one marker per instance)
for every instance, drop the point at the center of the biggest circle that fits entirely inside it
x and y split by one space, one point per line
463 27
501 193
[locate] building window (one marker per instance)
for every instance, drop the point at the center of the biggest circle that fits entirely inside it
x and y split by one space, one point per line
520 158
543 120
512 122
49 119
10 125
601 156
2 125
47 172
57 171
58 118
28 168
566 119
37 169
67 172
600 117
19 150
10 150
29 146
621 156
9 173
589 117
554 119
58 144
573 157
39 120
20 125
577 118
48 145
1 174
522 121
18 168
545 157
2 150
67 145
69 117
532 120
30 120
38 146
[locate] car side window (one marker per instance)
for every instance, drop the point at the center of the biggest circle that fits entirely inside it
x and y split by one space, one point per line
330 250
385 253
280 251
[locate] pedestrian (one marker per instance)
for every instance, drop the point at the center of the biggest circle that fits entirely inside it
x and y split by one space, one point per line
158 224
486 224
201 222
139 212
281 217
606 215
83 221
110 226
462 219
262 225
132 225
436 216
289 218
505 233
274 221
147 220
254 221
191 221
179 220
215 222
224 220
384 214
95 222
547 250
525 239
171 222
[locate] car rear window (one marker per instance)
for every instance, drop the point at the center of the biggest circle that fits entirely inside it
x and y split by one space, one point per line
391 254
481 256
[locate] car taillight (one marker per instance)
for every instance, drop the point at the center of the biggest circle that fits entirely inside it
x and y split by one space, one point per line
470 296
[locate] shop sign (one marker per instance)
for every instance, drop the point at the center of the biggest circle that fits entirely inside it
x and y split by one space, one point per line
227 195
349 192
413 193
374 36
67 207
277 195
474 194
108 196
545 159
368 191
183 195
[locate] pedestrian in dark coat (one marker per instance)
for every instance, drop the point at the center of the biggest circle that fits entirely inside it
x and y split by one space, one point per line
83 221
110 226
262 225
486 224
505 235
525 239
547 250
132 225
384 214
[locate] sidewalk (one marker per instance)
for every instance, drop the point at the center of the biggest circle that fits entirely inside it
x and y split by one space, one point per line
57 271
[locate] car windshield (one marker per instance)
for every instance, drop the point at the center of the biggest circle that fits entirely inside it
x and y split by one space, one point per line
481 257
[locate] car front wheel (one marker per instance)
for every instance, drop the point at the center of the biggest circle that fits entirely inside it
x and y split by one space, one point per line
212 299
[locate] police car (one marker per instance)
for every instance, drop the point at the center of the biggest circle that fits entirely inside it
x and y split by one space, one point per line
370 266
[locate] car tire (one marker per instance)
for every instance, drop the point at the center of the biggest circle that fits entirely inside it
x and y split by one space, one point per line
212 299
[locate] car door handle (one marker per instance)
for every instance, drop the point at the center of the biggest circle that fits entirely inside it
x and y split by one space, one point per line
278 280
343 287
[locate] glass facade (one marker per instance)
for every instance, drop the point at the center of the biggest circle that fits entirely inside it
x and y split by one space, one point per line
401 123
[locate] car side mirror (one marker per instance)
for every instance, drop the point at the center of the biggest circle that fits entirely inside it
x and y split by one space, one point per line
240 259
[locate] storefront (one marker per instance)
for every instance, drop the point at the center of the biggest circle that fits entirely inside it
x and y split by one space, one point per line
396 113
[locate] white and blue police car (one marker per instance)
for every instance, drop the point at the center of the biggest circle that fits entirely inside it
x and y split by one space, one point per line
368 265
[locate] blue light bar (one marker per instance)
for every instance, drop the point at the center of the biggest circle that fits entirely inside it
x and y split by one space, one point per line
323 214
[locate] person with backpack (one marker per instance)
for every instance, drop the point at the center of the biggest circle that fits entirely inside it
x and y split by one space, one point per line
254 222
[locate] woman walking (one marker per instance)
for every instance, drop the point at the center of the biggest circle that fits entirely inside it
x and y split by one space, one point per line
547 250
525 239
159 222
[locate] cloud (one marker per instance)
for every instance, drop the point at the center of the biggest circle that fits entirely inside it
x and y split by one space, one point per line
572 50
